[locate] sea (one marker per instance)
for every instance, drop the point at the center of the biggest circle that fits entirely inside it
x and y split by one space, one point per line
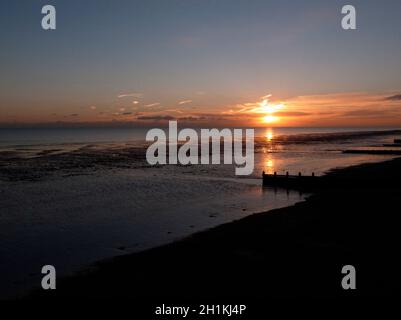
294 149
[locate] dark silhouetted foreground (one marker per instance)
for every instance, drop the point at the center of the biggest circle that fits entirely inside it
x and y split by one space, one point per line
295 251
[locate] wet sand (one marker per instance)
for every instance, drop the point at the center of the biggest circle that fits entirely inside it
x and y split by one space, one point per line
295 251
79 204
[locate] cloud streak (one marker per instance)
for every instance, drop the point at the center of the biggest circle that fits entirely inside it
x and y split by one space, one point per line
396 97
152 105
184 102
156 117
133 95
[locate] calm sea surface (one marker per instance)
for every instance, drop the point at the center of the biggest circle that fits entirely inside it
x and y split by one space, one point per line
276 149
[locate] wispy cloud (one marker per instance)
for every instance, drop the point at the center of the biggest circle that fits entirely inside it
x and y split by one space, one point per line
267 96
292 114
152 105
345 109
263 106
184 102
121 113
396 97
156 117
371 113
134 95
349 109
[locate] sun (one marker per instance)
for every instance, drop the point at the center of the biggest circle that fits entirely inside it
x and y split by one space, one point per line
268 111
269 119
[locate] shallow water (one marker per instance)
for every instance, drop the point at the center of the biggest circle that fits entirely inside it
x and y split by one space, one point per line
75 221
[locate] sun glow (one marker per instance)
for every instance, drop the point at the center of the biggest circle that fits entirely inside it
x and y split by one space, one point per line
270 119
269 165
269 135
269 109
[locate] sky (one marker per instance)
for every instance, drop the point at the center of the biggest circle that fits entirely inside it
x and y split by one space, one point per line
202 62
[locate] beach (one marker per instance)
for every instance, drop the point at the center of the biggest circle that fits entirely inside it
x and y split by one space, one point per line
295 251
71 206
74 204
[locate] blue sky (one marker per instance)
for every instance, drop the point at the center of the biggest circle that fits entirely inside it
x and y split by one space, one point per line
216 54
